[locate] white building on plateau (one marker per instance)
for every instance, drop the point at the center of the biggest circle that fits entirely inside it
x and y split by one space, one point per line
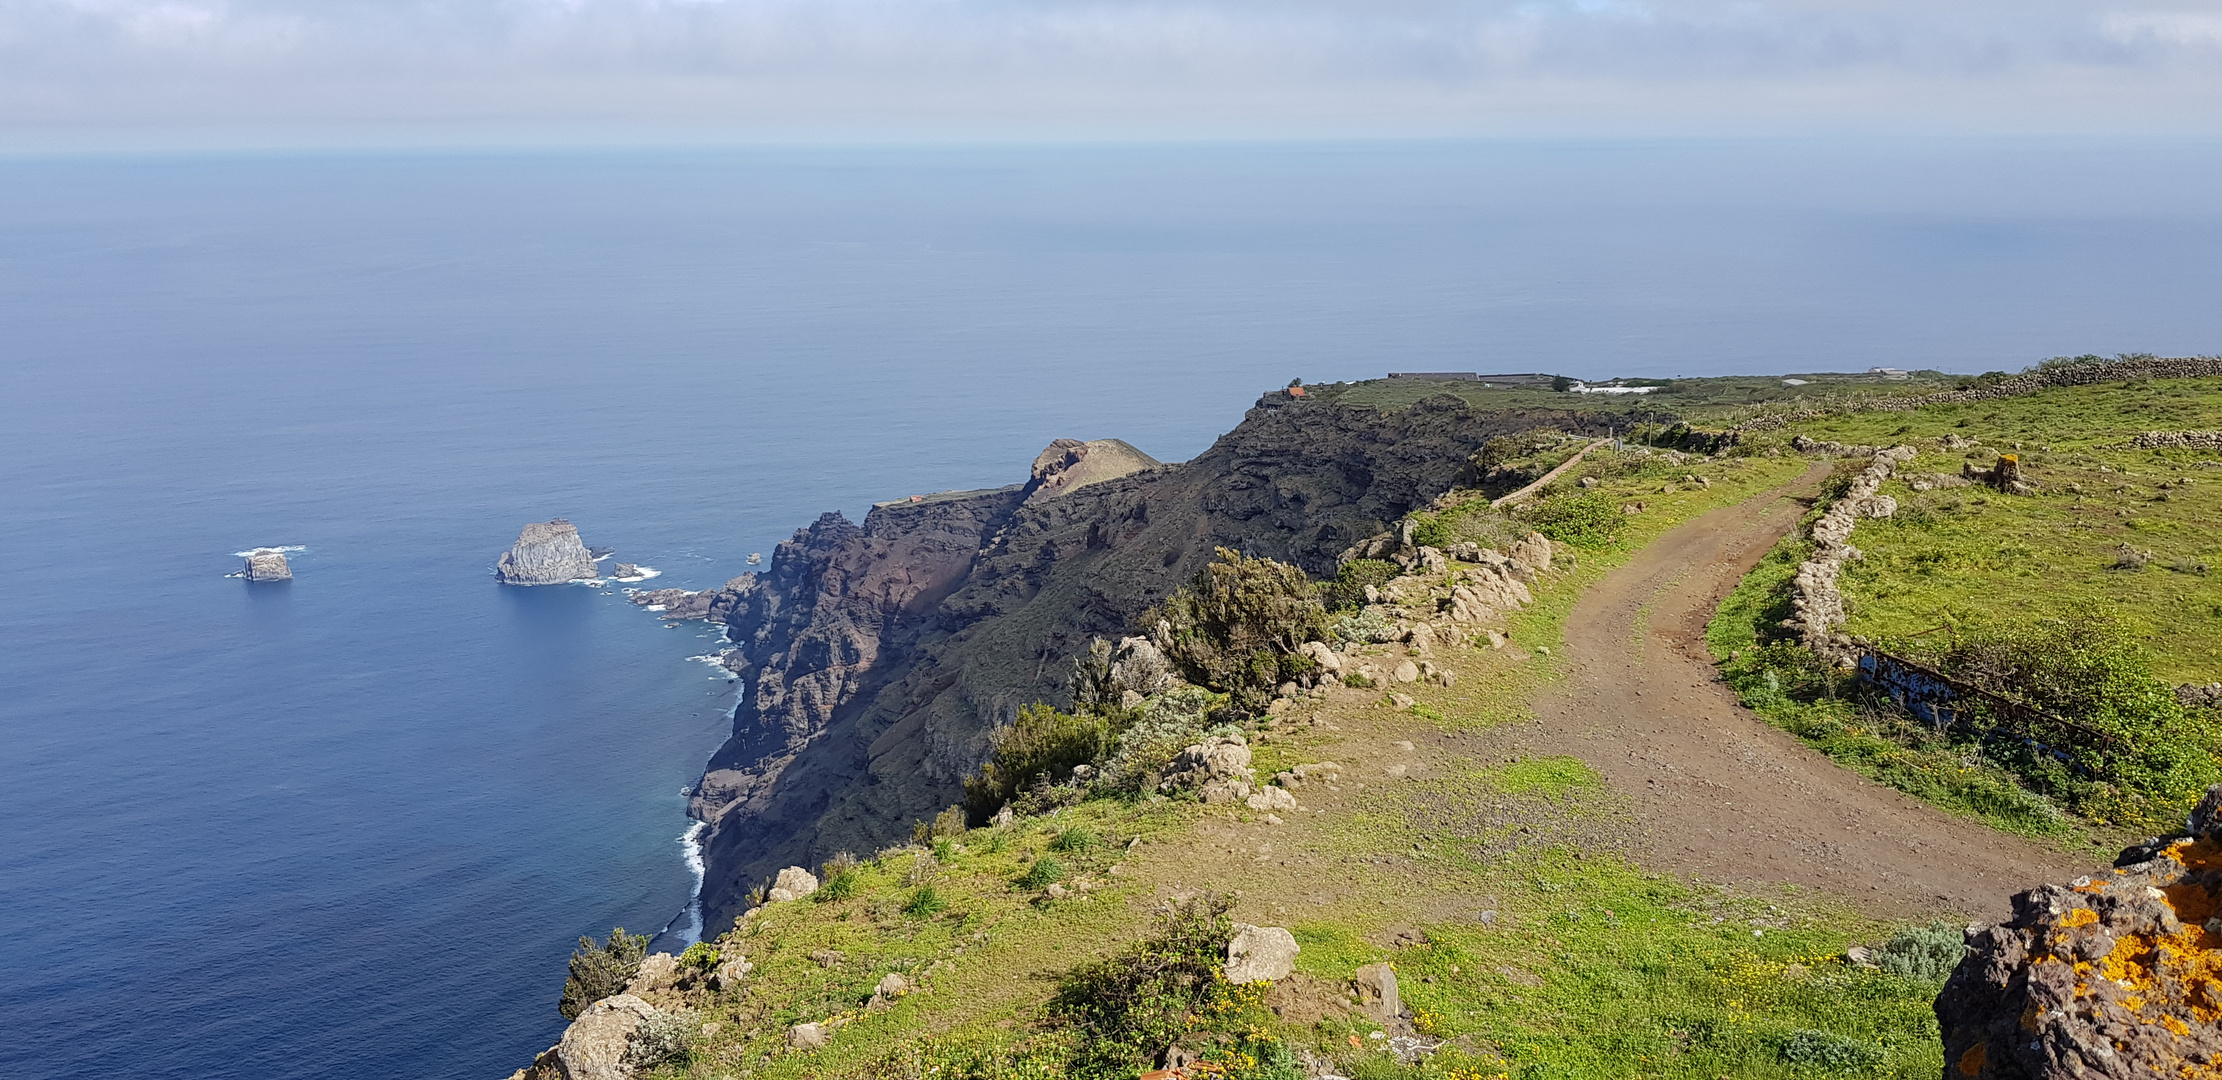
1613 387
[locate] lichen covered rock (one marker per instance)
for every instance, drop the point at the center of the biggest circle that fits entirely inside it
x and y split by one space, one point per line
1217 769
2114 975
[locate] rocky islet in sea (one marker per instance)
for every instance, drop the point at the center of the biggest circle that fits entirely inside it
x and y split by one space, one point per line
546 553
266 564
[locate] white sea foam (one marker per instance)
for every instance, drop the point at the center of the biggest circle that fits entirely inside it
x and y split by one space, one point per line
282 550
716 660
646 572
689 923
653 607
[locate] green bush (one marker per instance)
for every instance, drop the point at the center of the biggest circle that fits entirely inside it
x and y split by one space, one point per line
1236 625
924 902
1923 953
1074 839
1156 733
839 885
1129 1007
1040 745
663 1036
1586 520
1045 872
1348 589
600 969
2140 757
700 956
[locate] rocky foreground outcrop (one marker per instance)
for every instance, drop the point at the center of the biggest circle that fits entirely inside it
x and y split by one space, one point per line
873 659
546 553
2118 974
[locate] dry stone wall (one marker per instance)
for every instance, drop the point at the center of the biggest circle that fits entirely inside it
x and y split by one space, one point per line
1815 601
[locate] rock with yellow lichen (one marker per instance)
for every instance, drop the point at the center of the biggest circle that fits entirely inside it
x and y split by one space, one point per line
2114 975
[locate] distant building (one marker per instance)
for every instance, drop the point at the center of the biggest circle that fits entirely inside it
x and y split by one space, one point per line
1793 382
1889 373
1613 387
1494 382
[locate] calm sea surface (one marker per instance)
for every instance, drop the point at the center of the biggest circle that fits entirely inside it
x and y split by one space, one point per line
350 826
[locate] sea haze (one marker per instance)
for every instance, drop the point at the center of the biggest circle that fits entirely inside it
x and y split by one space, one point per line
350 826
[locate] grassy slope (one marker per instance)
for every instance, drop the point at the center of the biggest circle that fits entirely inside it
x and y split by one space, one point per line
1969 557
1590 967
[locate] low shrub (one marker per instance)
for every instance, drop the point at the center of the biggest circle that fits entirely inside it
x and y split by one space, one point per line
662 1037
700 956
1044 872
1347 591
1040 745
1130 1006
600 969
925 901
1236 625
1074 839
1924 953
1157 732
1830 1052
839 885
1586 520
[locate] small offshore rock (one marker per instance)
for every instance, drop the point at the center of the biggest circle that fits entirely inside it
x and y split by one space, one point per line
546 553
266 564
1260 954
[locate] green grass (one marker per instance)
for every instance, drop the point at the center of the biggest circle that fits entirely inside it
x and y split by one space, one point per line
1968 556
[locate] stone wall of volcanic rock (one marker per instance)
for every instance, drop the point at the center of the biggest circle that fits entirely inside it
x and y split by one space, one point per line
874 659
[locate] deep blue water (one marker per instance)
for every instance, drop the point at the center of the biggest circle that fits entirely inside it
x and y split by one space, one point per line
350 826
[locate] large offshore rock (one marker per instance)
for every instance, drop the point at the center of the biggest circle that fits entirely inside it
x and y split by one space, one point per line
2118 974
264 564
546 553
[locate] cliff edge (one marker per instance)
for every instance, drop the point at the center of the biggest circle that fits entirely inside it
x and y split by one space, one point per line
874 659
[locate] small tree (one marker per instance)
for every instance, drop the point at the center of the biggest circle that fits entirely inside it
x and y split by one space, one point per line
599 970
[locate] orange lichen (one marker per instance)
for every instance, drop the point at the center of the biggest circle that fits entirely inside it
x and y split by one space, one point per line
2196 854
1971 1063
2079 917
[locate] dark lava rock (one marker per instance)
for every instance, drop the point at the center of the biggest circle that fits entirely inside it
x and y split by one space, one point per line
2114 975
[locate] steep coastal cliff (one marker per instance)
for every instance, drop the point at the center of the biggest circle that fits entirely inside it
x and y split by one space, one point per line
874 659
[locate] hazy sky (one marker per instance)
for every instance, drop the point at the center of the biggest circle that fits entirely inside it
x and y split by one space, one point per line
1117 68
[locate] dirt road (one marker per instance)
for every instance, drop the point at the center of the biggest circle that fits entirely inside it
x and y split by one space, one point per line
1725 797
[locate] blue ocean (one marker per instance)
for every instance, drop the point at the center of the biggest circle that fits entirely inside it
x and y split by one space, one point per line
351 826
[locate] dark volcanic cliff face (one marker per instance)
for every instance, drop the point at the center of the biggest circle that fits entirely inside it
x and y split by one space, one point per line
874 660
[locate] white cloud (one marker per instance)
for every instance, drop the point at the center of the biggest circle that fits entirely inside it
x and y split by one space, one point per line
1114 67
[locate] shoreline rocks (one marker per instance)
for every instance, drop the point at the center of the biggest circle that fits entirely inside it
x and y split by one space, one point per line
546 553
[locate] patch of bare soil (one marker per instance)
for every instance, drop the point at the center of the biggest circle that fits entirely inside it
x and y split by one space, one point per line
1724 797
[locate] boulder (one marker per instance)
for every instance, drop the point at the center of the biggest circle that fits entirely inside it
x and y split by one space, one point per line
1328 659
1270 798
793 883
2111 975
891 986
599 1044
1217 769
729 972
1406 671
657 972
266 564
1260 954
1533 551
1377 995
546 553
809 1036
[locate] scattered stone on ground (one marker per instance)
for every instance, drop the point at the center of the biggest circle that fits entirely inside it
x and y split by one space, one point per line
1260 954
